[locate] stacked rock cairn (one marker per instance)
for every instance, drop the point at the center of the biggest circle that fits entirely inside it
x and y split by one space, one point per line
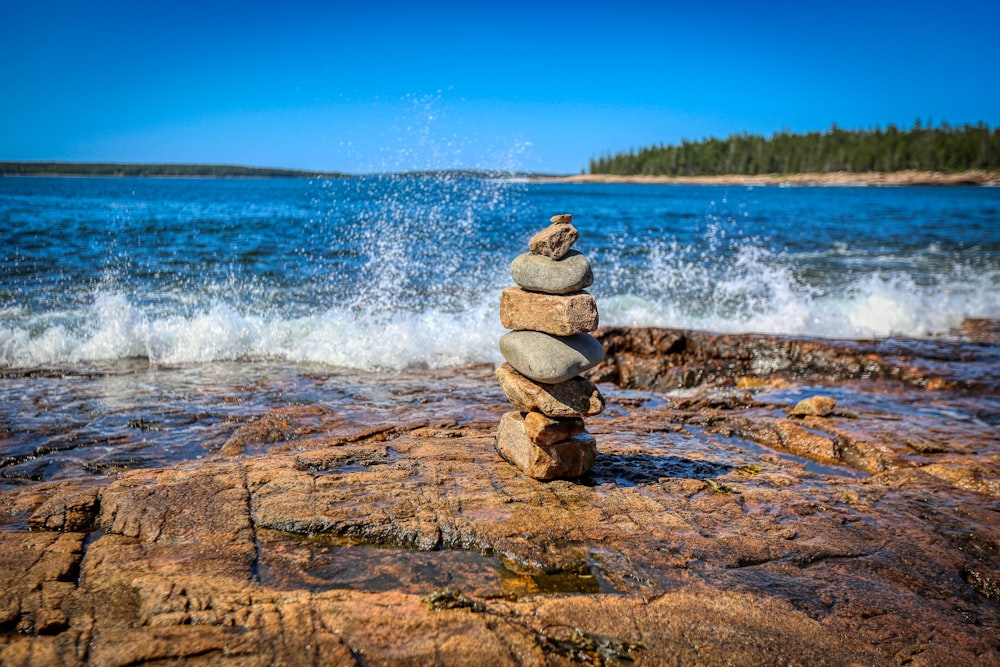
551 316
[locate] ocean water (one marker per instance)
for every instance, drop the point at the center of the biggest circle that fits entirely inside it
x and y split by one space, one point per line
399 273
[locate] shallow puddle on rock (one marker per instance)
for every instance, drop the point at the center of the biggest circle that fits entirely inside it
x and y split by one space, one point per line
763 450
620 401
641 457
516 584
293 562
58 424
894 402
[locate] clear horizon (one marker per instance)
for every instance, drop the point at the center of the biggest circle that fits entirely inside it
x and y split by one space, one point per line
399 87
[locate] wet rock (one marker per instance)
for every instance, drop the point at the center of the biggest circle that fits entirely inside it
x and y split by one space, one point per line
821 406
543 430
711 529
550 359
670 359
980 330
925 445
37 576
277 426
577 397
68 509
555 240
559 315
660 559
151 507
979 476
781 435
538 273
571 457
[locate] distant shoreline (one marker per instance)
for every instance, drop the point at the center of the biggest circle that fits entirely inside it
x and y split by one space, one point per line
169 170
970 177
154 170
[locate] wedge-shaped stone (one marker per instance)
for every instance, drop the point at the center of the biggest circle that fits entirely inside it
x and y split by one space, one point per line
539 273
545 430
577 397
562 217
554 241
567 458
552 359
821 406
559 315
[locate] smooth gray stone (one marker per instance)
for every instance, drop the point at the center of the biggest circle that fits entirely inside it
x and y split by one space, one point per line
539 273
550 359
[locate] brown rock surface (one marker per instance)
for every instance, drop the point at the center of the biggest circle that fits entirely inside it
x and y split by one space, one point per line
570 457
543 430
712 529
555 240
557 314
670 359
578 397
821 406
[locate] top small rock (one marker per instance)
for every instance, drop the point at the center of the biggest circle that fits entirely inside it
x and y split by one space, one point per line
555 240
562 217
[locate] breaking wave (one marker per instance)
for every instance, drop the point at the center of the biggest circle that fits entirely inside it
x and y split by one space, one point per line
399 273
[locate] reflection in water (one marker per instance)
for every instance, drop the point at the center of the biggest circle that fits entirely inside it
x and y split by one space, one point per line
321 563
100 421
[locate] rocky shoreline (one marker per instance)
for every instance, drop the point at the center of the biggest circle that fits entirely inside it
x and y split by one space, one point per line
716 526
896 178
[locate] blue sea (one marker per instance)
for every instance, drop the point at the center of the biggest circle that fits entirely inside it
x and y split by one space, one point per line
404 272
142 321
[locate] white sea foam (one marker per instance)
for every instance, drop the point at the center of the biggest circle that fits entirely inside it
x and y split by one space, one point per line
114 328
758 293
763 298
439 309
405 272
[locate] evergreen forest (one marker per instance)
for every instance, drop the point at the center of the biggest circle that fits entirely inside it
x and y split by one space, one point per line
922 147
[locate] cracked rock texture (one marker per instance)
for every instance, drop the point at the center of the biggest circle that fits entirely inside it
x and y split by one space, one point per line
713 529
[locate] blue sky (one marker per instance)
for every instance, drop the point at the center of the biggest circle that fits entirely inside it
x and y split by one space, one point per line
530 86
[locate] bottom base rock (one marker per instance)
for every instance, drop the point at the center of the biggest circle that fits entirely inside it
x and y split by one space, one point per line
560 460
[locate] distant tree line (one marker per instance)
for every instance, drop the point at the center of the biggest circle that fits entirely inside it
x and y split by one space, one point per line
123 169
923 147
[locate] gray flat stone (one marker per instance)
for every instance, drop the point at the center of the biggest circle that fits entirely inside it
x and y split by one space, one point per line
539 273
550 359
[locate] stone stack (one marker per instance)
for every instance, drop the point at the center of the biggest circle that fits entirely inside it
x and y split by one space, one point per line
551 317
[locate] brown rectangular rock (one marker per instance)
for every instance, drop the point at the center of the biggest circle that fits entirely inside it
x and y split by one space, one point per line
545 430
556 314
560 460
578 397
